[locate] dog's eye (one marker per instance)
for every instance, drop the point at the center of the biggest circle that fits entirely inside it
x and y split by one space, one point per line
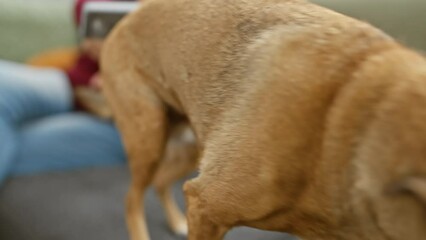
412 185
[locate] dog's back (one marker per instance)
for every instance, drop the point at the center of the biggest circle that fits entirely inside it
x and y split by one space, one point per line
192 48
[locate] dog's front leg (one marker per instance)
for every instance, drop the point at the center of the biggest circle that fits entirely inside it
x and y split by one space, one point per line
201 227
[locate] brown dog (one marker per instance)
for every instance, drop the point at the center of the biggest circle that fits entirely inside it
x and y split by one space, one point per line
308 121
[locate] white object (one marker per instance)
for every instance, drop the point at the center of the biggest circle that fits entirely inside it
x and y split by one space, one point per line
98 18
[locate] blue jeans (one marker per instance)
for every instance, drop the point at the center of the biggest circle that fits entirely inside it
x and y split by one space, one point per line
40 133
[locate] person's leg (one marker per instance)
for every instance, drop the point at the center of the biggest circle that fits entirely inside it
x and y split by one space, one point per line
8 146
26 93
67 142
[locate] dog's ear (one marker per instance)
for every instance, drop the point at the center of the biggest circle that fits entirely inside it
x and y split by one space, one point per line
412 185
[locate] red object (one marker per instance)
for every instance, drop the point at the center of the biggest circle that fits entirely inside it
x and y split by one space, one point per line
85 68
82 71
79 8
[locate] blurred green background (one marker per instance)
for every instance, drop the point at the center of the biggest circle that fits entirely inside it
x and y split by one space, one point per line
28 27
405 20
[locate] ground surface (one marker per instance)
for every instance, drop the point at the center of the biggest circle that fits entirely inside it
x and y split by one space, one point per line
85 205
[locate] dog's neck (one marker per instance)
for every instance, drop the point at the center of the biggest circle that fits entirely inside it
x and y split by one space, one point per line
340 186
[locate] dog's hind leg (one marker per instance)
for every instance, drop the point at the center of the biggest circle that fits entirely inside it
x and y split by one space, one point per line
142 121
180 159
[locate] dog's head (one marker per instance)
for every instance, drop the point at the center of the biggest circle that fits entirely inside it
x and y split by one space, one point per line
389 193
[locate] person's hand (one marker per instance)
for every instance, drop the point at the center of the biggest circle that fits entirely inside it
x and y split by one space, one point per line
96 82
92 47
93 101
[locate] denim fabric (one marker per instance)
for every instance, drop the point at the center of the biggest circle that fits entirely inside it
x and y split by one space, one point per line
38 130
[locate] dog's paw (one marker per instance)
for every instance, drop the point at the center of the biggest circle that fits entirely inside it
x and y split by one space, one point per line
181 229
